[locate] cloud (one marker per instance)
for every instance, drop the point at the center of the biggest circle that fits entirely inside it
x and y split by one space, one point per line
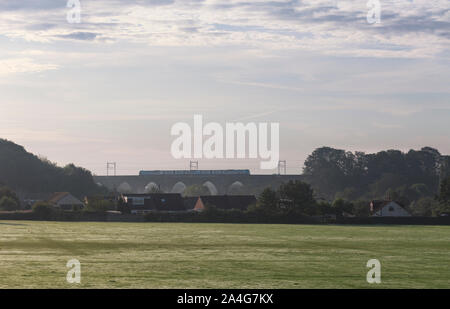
387 125
322 26
31 5
84 36
24 65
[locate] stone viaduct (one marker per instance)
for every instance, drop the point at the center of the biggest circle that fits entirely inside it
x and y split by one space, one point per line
217 184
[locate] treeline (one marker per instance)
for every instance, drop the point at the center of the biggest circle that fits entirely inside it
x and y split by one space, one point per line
33 176
297 198
295 202
407 177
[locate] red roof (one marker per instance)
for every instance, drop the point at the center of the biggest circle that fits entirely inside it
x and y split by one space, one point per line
56 197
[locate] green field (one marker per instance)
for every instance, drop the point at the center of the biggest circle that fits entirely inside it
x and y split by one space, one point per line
163 255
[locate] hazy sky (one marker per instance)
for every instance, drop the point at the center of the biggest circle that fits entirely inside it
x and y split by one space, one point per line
111 87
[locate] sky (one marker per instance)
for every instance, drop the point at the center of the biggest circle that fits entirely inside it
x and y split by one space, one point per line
111 87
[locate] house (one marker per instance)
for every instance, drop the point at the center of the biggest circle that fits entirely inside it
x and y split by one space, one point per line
65 201
382 208
189 202
144 203
241 202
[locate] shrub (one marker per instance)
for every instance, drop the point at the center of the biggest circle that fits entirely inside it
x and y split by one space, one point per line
341 206
100 206
43 210
196 190
7 203
361 208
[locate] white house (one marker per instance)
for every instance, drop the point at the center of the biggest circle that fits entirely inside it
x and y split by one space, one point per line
66 201
388 209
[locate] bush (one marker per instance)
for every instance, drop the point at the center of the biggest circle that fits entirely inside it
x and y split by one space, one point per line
425 207
196 190
267 203
100 206
341 207
43 210
7 203
361 208
324 208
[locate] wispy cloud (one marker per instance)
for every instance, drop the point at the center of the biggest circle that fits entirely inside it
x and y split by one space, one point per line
23 65
386 125
324 26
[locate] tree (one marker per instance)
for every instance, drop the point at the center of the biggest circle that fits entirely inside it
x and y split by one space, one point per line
330 170
444 192
196 190
385 185
444 168
342 206
349 193
361 208
268 202
36 175
335 173
444 197
7 192
8 199
299 197
419 190
8 204
425 207
398 195
324 208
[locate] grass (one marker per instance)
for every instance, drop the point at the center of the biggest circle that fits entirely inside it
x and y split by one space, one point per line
152 255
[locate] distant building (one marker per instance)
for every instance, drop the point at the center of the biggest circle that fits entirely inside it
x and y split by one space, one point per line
189 202
388 209
65 201
144 203
241 202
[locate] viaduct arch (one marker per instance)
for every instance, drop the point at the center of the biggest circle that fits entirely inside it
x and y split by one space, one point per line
217 184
